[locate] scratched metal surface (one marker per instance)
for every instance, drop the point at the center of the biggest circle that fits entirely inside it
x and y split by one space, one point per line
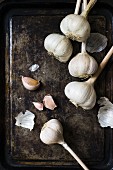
24 47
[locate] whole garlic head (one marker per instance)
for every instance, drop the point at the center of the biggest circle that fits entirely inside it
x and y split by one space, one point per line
82 65
81 94
75 27
58 46
52 132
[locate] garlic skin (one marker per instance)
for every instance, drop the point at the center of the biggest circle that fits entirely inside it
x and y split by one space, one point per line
105 113
49 102
52 132
75 27
58 46
25 120
82 65
29 83
81 94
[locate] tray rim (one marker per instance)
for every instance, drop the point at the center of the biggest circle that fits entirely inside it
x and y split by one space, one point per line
2 5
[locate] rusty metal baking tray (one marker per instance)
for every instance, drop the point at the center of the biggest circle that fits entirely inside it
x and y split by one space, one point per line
23 27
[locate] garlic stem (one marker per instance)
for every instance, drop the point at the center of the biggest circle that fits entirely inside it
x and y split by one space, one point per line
77 6
83 46
101 66
74 155
88 8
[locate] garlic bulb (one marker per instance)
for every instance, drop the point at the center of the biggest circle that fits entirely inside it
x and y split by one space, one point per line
52 132
105 113
82 93
82 65
25 120
76 27
58 46
29 83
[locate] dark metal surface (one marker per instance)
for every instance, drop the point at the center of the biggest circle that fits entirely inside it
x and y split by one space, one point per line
23 32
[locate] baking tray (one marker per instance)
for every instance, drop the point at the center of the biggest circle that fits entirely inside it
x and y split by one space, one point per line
24 25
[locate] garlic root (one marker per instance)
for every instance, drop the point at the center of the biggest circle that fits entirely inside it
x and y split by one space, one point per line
52 133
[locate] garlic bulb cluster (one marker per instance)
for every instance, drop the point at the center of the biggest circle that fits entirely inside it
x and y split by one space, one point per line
105 113
82 65
76 27
58 46
52 132
25 120
30 83
81 94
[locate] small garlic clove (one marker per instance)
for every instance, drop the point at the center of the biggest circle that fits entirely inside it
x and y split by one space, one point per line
25 120
52 132
96 42
49 102
29 83
58 46
38 105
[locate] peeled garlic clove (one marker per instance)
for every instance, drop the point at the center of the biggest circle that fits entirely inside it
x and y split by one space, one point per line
81 94
58 46
96 42
75 27
52 132
82 65
25 120
49 102
29 83
38 105
105 113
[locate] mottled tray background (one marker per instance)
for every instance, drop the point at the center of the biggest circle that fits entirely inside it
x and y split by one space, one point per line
82 132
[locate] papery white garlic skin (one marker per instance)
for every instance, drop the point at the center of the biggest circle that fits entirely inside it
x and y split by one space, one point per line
82 65
81 94
34 67
49 102
29 83
105 113
25 120
96 42
52 132
75 27
58 46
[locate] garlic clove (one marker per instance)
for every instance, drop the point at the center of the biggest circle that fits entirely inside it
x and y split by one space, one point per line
52 132
29 83
25 120
82 65
75 27
105 113
49 102
58 46
96 42
81 94
38 105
